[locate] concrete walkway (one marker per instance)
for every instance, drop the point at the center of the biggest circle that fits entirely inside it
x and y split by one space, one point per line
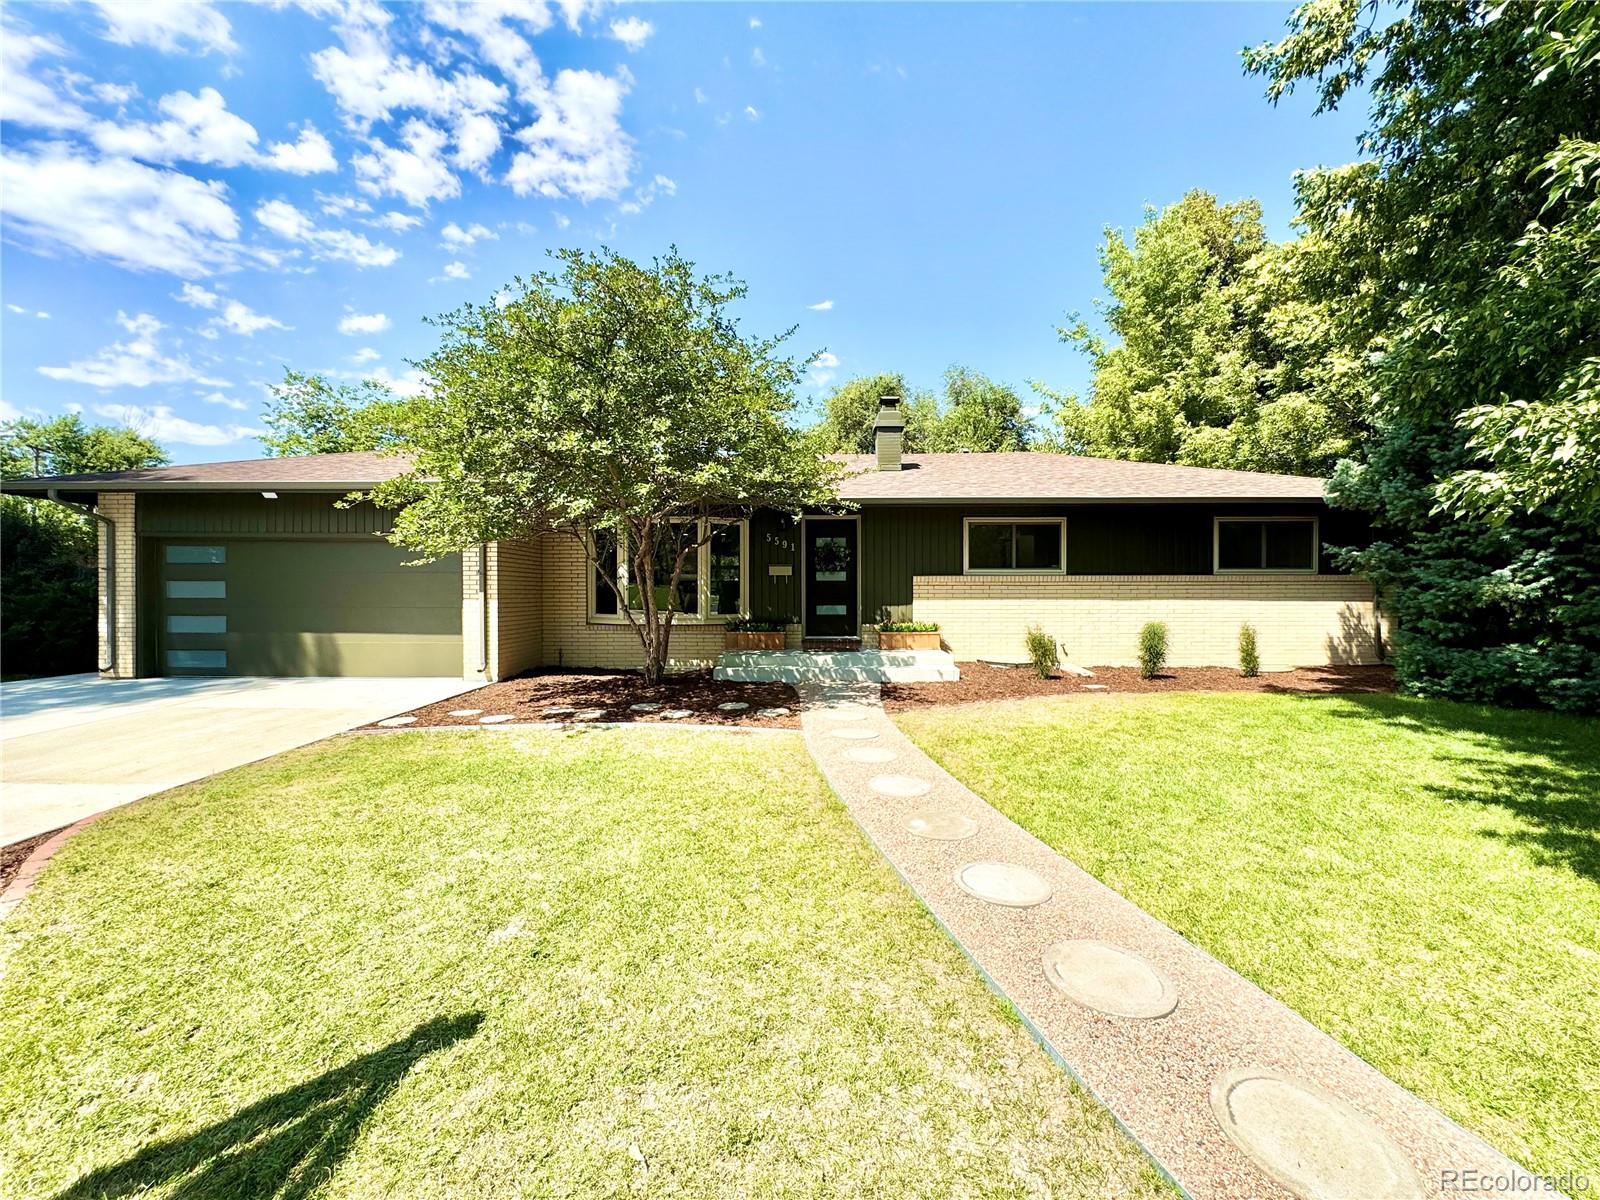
78 744
1232 1093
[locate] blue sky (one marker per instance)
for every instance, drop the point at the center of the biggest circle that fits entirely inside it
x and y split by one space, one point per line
200 194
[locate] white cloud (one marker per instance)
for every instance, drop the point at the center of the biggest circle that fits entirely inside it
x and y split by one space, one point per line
158 421
757 59
29 101
492 24
168 25
288 222
308 156
417 173
138 217
700 96
365 355
412 383
456 270
477 138
577 146
562 220
335 205
755 22
18 309
136 361
632 32
752 112
644 197
370 82
240 318
356 322
225 400
821 306
196 296
456 237
823 369
399 221
199 128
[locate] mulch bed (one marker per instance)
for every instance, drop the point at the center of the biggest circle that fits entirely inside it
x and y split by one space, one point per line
527 697
980 682
13 856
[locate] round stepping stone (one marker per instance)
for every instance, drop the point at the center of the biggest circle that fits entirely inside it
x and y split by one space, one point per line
899 785
589 714
465 712
1004 883
558 710
1313 1143
854 735
1109 979
844 714
391 722
733 706
646 706
772 712
676 714
494 719
939 826
870 754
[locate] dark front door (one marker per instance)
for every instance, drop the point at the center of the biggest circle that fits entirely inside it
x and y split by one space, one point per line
830 568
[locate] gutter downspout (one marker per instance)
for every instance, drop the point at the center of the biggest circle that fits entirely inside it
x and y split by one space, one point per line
111 574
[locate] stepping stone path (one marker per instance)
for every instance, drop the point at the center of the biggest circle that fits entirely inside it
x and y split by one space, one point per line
559 710
676 714
1192 1058
465 712
494 719
1097 687
589 714
646 706
733 706
392 722
772 712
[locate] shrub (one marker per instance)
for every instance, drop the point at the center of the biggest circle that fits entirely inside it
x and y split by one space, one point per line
909 627
757 624
1152 649
1249 657
1043 651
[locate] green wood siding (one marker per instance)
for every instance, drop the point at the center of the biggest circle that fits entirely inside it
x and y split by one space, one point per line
248 514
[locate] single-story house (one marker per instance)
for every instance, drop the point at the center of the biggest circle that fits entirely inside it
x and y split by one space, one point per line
253 568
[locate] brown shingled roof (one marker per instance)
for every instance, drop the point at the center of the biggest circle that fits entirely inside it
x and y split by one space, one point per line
305 472
1037 476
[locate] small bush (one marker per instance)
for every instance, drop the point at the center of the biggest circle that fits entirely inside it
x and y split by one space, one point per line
1152 649
909 627
1043 651
1249 657
756 624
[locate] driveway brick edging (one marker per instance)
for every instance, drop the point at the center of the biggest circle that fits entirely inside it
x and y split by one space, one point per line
1157 1078
33 866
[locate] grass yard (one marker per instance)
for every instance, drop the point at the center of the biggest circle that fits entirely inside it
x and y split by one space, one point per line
1420 879
642 963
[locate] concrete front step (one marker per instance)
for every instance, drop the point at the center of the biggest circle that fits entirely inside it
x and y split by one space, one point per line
864 666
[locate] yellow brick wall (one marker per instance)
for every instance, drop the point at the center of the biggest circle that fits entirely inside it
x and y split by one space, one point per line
572 639
1301 620
516 607
118 595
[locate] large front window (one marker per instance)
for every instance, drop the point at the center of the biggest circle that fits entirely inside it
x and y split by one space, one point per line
1265 544
711 580
1015 546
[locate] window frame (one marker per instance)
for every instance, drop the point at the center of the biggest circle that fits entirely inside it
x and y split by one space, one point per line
702 576
1216 546
966 546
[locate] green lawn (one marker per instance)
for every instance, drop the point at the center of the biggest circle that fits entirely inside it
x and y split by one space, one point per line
650 963
1420 879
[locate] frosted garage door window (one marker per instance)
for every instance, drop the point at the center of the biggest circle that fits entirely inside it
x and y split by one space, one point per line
196 659
197 589
179 624
197 554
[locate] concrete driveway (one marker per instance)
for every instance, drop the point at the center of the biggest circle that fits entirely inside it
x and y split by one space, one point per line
78 744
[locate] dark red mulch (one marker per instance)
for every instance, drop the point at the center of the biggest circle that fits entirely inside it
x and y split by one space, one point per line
526 697
980 682
13 856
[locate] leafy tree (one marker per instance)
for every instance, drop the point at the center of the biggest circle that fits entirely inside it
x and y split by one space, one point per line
978 415
47 551
851 409
1218 356
1467 250
612 398
309 415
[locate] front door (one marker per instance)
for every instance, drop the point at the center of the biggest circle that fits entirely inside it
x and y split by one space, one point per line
830 566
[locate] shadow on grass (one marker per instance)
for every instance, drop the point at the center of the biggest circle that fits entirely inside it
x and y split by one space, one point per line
1543 768
281 1147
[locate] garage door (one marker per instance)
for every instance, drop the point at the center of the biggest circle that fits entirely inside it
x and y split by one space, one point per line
304 608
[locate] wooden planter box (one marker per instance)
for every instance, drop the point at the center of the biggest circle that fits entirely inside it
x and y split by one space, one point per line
908 641
755 641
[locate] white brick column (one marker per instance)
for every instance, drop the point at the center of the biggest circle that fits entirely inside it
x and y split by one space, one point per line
118 573
474 602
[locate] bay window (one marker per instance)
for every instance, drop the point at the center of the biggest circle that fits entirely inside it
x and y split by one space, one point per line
711 582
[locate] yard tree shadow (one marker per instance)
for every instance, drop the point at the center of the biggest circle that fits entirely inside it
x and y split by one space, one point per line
1556 799
283 1146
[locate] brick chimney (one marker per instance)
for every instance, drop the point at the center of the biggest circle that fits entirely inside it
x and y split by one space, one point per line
887 433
